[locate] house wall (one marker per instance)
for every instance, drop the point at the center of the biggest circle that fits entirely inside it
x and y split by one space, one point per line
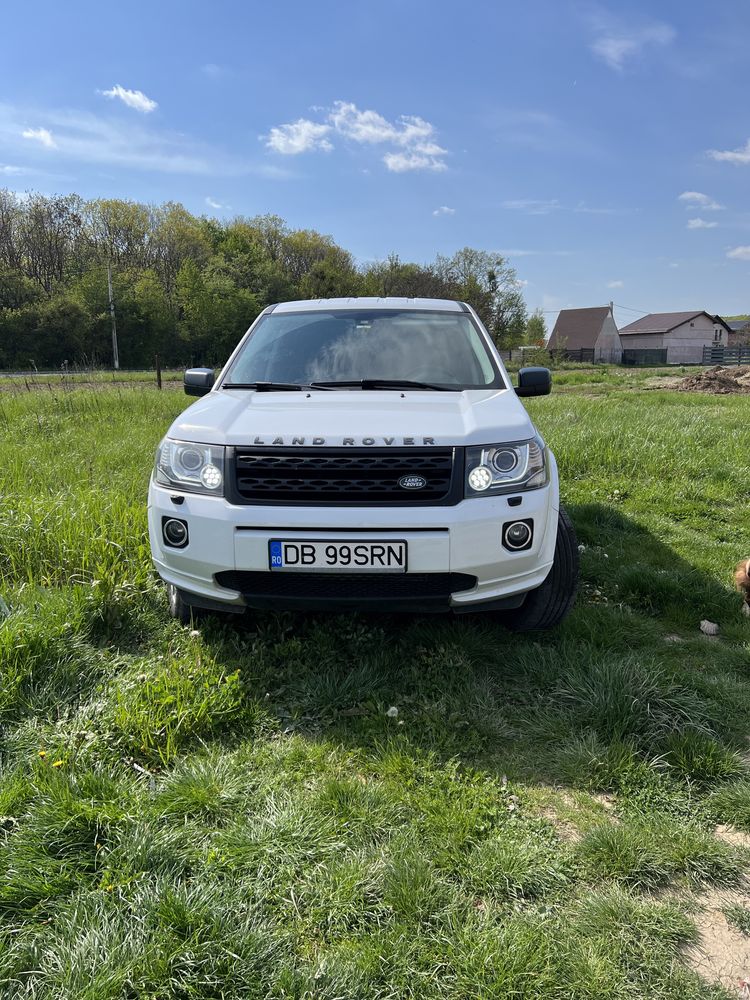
642 341
686 342
608 347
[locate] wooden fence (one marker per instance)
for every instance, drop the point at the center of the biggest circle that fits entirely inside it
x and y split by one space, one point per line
584 355
718 355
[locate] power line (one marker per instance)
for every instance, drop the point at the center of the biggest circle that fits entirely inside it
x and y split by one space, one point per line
644 312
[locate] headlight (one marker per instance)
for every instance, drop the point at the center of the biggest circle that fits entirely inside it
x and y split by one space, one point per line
198 468
504 468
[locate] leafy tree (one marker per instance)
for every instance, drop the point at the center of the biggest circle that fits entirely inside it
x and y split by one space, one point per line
16 290
490 284
49 228
214 313
61 330
536 329
187 288
393 277
146 323
176 237
119 232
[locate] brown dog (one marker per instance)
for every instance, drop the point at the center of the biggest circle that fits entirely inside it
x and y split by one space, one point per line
742 582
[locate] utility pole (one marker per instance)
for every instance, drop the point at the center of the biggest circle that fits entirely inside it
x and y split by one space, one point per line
115 353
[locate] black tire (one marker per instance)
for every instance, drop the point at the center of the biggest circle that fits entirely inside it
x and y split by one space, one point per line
178 609
546 606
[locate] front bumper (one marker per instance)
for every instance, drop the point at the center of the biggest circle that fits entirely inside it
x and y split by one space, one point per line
449 543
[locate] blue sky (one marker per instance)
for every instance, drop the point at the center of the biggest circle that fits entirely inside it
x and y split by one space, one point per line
605 148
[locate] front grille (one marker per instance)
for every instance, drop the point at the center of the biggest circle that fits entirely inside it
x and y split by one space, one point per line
346 588
343 476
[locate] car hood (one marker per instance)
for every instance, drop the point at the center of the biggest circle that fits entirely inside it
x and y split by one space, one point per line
341 417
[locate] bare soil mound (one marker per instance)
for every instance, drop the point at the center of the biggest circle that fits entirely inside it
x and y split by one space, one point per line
718 380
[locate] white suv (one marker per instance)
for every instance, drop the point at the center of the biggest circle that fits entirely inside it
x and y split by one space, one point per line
367 454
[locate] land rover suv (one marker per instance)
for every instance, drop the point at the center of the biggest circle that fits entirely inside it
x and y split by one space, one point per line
363 453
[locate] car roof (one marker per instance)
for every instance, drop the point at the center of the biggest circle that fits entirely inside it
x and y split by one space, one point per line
369 303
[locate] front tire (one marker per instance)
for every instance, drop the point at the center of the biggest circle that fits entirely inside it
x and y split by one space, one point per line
178 609
546 606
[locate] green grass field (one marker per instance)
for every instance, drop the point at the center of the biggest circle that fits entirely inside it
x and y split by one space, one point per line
231 811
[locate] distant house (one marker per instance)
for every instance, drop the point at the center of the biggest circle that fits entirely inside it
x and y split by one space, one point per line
589 330
739 332
682 335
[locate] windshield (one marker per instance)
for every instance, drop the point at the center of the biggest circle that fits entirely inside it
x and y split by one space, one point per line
350 346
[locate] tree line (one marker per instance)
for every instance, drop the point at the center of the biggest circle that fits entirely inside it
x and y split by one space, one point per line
187 287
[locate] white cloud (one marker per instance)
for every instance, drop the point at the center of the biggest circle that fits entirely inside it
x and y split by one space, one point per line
616 42
695 199
615 284
297 137
542 206
739 157
701 224
399 163
739 253
412 138
444 210
8 168
135 99
82 137
533 206
213 203
410 132
41 135
361 126
213 71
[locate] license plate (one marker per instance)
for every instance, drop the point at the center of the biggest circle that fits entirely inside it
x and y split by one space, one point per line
337 556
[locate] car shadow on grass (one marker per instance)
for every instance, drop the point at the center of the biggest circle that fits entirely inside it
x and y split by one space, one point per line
629 675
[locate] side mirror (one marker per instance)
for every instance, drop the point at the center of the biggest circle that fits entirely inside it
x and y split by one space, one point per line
198 381
534 382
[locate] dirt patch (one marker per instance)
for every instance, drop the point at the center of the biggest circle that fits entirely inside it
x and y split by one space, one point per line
718 380
662 382
730 835
574 814
722 952
566 830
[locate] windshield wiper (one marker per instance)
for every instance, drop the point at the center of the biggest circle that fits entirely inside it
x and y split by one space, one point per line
364 383
272 386
382 383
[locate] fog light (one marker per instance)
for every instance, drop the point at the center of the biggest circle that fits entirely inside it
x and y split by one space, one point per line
480 478
517 535
175 532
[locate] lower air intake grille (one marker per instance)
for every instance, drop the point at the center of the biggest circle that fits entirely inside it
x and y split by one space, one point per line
346 588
